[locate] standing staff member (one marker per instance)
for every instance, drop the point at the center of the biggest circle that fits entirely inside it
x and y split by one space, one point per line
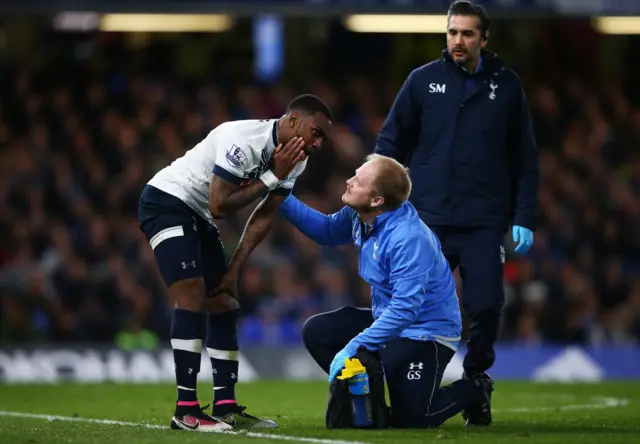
462 125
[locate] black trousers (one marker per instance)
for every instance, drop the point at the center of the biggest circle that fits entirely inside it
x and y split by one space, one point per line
479 252
413 369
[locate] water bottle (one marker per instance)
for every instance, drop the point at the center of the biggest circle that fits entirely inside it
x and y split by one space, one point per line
356 376
361 400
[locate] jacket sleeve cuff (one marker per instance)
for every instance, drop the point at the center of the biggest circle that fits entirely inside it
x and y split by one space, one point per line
352 347
525 221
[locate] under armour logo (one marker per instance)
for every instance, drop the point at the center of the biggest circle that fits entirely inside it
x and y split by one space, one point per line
502 254
493 86
233 376
415 371
190 371
188 264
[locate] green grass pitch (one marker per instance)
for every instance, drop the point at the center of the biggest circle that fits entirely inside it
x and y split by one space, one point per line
523 413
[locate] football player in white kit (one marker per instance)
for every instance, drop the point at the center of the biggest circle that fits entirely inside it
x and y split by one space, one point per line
234 165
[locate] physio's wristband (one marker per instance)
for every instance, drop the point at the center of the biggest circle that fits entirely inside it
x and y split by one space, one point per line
270 180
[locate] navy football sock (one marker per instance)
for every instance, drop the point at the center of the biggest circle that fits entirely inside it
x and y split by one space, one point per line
222 346
187 330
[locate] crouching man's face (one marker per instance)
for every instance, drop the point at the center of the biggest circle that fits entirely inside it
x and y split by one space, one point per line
361 193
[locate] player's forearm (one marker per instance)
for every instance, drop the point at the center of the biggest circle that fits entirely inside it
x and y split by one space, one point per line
255 230
237 199
310 222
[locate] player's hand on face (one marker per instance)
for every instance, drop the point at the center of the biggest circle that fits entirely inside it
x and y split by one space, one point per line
286 157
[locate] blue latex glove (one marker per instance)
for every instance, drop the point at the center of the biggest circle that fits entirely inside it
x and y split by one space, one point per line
524 237
338 363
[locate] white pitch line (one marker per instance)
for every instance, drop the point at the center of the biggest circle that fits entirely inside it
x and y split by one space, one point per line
599 403
52 418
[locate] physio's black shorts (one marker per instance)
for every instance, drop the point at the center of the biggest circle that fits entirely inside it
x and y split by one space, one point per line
184 244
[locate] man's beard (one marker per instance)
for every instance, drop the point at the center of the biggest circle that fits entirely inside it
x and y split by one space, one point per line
461 60
364 208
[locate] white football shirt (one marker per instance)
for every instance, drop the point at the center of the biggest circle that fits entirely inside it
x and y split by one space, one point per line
238 151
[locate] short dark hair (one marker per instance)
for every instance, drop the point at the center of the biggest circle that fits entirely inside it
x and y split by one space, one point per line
465 7
392 183
310 104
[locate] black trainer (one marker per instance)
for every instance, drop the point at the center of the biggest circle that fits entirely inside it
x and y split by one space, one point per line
480 414
193 419
235 416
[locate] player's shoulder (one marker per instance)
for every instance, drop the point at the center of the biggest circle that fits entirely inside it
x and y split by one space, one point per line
244 140
245 146
247 132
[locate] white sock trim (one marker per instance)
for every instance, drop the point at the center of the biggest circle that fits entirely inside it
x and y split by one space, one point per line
227 355
190 345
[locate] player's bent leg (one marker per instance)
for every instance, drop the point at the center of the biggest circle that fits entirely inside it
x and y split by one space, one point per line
168 224
187 332
222 336
325 334
188 294
222 347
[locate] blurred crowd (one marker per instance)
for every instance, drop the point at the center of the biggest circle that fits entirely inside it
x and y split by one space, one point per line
78 148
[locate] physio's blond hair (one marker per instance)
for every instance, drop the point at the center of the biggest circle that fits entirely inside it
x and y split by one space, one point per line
392 182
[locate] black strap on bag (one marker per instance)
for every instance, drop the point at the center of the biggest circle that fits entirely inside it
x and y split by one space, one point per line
339 414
